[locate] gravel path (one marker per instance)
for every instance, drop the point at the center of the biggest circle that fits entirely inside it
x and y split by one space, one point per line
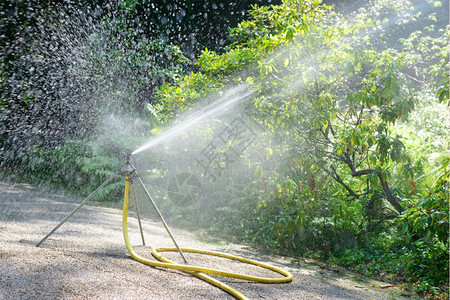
87 259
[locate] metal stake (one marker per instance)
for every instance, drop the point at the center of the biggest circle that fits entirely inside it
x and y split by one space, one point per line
79 206
161 217
137 213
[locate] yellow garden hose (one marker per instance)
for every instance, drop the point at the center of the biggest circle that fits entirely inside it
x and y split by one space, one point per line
199 271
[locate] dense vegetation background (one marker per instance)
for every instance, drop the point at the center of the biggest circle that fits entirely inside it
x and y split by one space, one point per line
353 102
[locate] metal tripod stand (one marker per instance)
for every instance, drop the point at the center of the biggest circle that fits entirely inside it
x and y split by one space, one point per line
130 173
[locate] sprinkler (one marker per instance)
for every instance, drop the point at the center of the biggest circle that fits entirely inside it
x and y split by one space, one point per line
131 175
127 154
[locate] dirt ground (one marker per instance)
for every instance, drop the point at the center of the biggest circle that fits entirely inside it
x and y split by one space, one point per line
87 259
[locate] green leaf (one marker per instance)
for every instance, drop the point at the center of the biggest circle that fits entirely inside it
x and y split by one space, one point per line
290 31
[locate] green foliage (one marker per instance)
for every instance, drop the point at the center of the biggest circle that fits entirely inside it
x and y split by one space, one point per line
443 89
232 60
58 166
429 219
269 27
75 166
422 266
173 99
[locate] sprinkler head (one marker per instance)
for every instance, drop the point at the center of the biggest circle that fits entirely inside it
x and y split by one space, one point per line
127 167
127 154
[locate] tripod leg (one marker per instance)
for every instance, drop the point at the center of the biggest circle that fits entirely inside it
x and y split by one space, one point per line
161 217
78 207
138 215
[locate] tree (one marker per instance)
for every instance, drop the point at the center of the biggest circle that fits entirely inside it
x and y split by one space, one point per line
337 97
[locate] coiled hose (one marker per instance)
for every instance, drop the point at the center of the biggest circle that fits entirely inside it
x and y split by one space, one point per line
199 271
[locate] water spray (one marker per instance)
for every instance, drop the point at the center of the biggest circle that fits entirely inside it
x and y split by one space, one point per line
233 96
131 175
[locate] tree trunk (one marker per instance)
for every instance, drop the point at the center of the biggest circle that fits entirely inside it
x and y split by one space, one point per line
393 200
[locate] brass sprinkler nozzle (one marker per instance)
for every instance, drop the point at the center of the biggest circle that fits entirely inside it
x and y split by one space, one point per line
127 154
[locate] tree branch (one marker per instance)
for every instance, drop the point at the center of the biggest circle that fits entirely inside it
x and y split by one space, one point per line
394 200
355 173
362 172
338 178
